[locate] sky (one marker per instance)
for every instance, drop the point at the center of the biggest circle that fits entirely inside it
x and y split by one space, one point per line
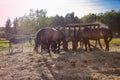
17 8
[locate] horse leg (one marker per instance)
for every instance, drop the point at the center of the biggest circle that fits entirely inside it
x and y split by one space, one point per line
59 46
48 50
81 44
65 46
52 46
55 46
88 42
96 43
99 43
74 44
85 45
36 48
107 45
42 47
48 47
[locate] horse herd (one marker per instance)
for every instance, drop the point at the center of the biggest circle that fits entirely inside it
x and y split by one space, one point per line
50 38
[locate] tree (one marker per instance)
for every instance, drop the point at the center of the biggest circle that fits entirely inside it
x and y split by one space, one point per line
71 18
112 19
33 21
58 21
89 18
40 18
15 25
8 29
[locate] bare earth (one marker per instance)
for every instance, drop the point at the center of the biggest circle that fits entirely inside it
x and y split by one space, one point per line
71 65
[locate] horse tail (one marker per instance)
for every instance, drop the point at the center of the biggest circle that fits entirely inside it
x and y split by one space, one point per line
110 36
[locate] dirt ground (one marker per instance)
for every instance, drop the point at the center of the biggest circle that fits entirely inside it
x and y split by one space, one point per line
70 65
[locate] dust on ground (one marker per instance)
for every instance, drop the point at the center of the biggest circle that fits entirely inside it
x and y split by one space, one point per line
70 65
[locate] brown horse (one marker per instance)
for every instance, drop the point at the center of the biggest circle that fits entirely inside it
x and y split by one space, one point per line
69 35
49 36
95 34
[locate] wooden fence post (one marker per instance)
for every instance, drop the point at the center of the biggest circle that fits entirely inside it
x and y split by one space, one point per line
10 46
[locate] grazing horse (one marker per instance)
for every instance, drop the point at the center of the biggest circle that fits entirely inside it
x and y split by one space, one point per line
69 35
95 34
49 36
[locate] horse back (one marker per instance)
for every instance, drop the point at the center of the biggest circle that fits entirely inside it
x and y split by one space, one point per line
58 35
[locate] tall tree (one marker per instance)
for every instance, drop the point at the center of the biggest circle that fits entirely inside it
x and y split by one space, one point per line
8 29
112 19
15 25
58 21
89 18
40 18
71 18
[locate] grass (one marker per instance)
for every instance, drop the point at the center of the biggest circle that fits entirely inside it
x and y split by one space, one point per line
5 43
28 44
115 41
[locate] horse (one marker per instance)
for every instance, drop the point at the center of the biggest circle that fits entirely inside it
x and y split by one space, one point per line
69 35
49 36
95 34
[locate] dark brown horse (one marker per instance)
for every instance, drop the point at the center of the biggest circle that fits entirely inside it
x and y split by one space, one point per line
70 36
95 34
49 36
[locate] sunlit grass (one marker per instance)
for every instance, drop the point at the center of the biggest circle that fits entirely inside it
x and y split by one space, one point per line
115 41
5 43
29 44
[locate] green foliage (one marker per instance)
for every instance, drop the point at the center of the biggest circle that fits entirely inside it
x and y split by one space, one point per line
15 24
28 44
89 18
38 19
4 44
26 25
32 22
71 18
115 41
29 24
8 29
58 21
111 19
68 19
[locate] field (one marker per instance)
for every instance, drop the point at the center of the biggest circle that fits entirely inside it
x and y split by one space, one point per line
70 65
